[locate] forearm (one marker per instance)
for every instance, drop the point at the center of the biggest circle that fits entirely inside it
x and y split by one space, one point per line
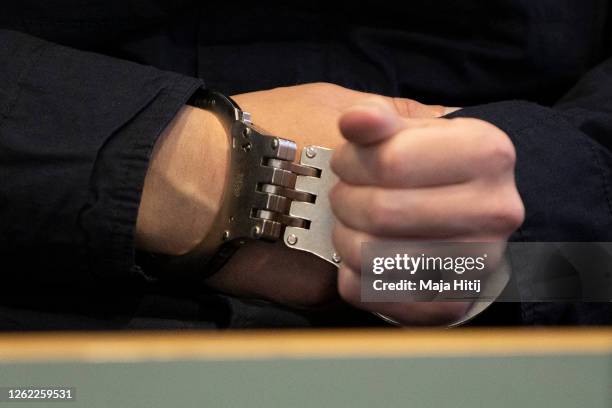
184 184
76 136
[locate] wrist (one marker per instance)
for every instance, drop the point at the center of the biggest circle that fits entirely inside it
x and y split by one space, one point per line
184 184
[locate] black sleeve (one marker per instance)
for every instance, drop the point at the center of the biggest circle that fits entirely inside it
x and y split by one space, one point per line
564 176
564 159
76 133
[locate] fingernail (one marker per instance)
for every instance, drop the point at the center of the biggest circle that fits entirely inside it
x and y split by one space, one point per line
448 110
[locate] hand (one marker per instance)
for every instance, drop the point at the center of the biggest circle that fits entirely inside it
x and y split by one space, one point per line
419 179
308 114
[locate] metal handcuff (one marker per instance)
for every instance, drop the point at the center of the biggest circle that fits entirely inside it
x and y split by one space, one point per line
267 195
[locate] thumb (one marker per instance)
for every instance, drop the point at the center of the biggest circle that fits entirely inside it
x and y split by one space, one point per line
371 121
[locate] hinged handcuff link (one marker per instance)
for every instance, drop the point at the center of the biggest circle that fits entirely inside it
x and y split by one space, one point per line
267 195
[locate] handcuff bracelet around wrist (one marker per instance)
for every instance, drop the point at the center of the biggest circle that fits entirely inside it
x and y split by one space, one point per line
266 196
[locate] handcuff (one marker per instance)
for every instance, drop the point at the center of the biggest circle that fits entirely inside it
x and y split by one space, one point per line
267 196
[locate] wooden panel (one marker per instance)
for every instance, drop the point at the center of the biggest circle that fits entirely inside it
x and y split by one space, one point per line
138 346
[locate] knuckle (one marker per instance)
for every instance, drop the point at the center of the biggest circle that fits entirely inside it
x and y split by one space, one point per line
320 89
497 151
414 109
406 107
508 213
325 87
320 85
515 213
503 154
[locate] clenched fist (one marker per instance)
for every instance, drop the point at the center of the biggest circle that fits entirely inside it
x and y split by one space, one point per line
308 114
419 179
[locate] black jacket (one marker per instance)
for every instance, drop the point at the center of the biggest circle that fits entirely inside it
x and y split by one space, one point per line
86 88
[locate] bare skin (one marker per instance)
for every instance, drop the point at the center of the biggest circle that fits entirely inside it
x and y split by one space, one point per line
424 179
179 204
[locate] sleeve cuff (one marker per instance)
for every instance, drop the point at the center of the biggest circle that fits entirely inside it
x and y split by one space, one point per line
123 162
562 175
